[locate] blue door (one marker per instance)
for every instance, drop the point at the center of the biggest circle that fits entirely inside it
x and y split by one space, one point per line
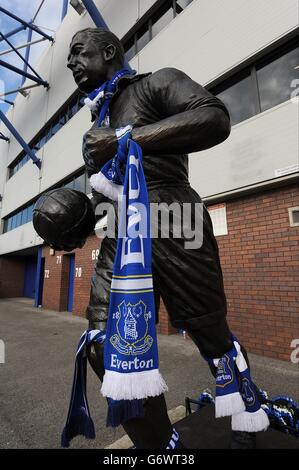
70 297
29 278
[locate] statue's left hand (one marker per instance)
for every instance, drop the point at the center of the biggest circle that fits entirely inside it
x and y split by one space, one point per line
99 145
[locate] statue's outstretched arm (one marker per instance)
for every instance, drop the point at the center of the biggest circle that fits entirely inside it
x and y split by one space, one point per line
191 120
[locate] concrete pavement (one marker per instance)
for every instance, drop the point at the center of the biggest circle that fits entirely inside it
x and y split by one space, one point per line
36 378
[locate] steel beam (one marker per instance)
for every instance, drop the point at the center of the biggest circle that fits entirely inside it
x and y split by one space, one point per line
7 101
21 46
27 25
24 74
14 31
3 137
64 9
27 53
20 139
16 90
25 60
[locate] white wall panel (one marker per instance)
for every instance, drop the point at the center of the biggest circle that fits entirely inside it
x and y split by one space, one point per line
63 153
30 113
19 238
252 153
22 187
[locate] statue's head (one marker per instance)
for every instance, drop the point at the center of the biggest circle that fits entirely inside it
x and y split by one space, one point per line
95 55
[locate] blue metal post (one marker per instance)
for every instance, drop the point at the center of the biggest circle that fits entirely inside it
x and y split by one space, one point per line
14 31
3 137
25 60
20 139
25 74
95 14
38 277
27 53
64 9
99 20
27 25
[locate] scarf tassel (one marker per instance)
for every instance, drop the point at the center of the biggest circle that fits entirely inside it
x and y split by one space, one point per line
80 424
120 411
250 422
135 385
227 405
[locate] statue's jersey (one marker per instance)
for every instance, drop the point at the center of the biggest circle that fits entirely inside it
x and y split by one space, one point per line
142 100
189 280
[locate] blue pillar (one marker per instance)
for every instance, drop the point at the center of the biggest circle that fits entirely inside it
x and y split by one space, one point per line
38 277
20 139
27 53
95 14
64 9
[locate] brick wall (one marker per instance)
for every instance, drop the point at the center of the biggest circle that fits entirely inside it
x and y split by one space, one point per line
260 262
56 280
11 276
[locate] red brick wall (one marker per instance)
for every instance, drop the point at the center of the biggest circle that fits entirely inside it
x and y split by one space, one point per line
260 262
55 292
11 276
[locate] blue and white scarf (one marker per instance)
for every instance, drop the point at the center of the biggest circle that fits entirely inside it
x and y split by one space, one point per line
130 349
236 394
78 420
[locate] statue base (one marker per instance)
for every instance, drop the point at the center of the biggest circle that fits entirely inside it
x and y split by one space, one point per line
201 430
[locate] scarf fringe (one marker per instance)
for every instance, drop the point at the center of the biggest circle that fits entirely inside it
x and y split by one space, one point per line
134 385
103 185
250 422
80 424
227 405
121 411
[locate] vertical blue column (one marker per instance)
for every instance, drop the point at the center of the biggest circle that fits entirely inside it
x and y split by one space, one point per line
38 277
27 53
64 9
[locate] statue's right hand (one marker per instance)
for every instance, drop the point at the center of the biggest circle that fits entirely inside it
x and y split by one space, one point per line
95 355
99 144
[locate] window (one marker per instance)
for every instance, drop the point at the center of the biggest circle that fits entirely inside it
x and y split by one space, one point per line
275 77
261 86
155 19
183 3
68 111
294 216
160 22
79 183
142 39
238 99
219 221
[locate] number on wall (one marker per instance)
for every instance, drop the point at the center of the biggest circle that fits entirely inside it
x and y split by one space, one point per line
58 259
78 271
47 273
95 254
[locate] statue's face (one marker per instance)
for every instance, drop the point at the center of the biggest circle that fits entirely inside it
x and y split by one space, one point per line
87 62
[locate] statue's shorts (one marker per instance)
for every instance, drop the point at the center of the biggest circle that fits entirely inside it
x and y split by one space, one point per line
188 280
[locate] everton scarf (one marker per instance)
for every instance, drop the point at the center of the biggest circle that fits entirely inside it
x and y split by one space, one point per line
78 418
131 353
236 394
130 349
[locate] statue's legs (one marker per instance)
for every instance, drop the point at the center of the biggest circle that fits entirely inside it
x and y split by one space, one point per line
191 285
154 430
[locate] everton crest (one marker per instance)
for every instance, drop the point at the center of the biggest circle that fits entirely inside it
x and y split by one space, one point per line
130 339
